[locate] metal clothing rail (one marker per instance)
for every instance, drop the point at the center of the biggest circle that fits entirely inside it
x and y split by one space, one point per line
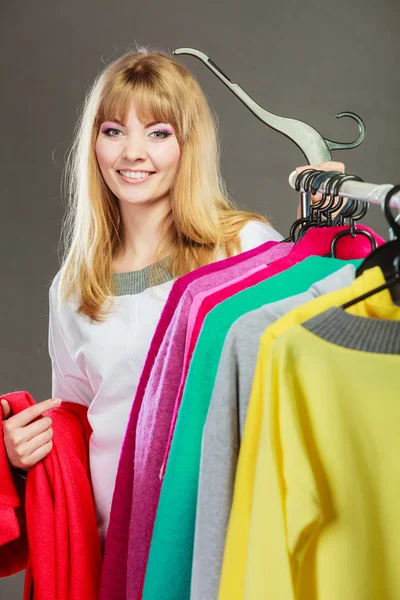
359 190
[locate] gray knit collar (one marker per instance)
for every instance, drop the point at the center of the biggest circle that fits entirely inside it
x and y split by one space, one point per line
136 282
339 327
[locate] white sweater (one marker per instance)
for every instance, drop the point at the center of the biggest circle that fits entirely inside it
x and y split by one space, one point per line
99 364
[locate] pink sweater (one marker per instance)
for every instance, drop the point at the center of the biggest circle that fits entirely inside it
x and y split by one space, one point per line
116 547
155 417
197 315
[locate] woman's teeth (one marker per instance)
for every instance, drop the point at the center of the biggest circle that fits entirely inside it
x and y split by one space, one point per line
136 174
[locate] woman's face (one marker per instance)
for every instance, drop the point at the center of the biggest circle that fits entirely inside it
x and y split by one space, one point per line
138 160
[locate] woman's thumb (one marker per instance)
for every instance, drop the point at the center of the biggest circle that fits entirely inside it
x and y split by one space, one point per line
6 408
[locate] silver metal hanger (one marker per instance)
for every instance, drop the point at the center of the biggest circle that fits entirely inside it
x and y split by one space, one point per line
315 148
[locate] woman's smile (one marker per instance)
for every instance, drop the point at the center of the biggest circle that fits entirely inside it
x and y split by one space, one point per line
131 177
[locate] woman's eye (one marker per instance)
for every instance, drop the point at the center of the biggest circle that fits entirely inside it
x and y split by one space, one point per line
162 134
111 129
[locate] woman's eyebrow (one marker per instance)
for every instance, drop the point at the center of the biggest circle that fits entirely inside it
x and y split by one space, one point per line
155 123
147 125
113 121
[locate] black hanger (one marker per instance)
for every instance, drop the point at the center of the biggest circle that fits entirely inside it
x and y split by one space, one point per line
351 213
324 208
314 184
332 189
297 185
300 177
315 218
353 232
327 209
346 213
390 283
387 257
334 206
384 256
350 207
308 175
357 216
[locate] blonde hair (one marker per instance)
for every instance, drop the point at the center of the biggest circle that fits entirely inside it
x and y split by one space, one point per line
204 220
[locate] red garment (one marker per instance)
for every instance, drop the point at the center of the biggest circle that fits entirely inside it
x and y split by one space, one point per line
60 546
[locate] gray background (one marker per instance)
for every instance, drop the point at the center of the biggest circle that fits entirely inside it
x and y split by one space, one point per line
308 60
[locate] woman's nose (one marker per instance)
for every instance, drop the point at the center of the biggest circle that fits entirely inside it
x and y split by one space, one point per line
134 148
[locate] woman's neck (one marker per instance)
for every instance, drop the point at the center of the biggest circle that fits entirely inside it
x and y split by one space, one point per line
143 234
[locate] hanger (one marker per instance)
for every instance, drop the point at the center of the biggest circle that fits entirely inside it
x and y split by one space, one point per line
305 202
333 189
387 257
350 212
315 148
317 210
310 176
390 284
323 208
353 232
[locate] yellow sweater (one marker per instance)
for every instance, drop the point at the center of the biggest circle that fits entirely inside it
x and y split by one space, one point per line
234 564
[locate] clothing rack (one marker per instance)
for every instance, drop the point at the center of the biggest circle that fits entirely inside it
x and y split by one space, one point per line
359 190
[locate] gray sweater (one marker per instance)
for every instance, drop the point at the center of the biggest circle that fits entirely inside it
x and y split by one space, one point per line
224 429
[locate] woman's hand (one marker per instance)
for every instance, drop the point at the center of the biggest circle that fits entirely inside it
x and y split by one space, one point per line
27 443
326 166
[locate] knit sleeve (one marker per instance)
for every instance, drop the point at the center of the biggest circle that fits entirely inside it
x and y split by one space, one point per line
69 382
220 446
287 511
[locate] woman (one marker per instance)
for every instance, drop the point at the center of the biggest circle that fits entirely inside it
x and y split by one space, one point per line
147 205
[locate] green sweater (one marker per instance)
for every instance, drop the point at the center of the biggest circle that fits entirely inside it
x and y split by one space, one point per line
169 566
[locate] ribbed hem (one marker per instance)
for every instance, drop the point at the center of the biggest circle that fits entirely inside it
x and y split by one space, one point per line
356 333
136 282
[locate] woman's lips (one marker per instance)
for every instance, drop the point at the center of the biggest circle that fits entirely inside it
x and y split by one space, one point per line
135 181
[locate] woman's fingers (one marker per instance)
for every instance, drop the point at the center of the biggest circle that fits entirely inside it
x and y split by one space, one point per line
6 408
36 443
27 442
34 429
37 455
26 416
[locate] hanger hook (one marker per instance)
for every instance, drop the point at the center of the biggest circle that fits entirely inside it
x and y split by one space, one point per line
352 206
362 131
395 227
362 213
300 177
316 182
315 148
320 179
309 180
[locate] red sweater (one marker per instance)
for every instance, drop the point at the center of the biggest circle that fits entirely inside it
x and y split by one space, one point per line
55 538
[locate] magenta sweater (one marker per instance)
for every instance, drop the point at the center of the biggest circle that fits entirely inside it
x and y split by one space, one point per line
116 547
156 413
